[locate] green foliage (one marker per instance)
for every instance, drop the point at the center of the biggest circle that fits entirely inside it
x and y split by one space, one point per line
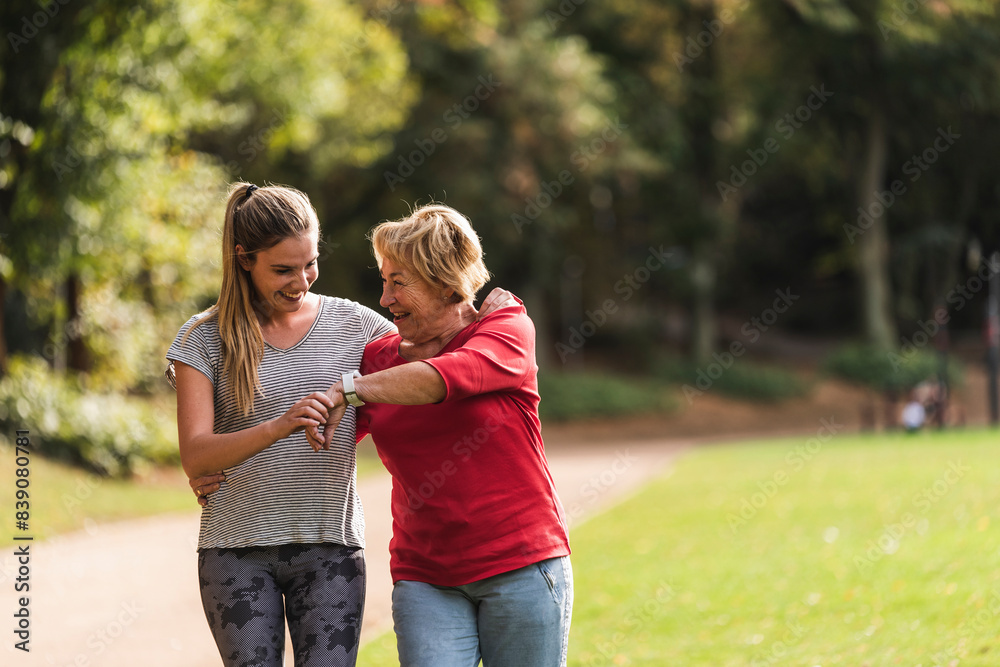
112 434
567 396
142 114
743 379
894 371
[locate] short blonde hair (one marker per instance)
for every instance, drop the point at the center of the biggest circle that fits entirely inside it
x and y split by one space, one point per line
439 244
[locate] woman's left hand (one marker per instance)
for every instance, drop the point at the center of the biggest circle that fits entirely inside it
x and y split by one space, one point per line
498 298
202 486
321 439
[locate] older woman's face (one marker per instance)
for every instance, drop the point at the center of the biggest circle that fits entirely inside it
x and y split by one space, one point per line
418 308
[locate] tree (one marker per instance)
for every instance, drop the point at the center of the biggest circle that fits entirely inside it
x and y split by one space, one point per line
141 116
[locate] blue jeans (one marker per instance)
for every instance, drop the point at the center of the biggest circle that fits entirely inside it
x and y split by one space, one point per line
515 619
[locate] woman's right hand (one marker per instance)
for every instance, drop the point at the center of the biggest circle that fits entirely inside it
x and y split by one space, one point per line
312 410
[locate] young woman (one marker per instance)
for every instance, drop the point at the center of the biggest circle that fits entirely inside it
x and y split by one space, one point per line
282 536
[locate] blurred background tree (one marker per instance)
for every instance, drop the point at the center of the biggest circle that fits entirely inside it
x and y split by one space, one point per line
646 174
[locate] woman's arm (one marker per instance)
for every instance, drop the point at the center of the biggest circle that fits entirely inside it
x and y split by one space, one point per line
415 383
204 452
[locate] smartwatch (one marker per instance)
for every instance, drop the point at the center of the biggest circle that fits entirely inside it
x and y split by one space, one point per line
349 393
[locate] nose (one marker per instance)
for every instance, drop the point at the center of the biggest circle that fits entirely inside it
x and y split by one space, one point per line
387 298
302 281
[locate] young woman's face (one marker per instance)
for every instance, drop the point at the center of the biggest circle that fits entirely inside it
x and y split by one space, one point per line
283 274
418 308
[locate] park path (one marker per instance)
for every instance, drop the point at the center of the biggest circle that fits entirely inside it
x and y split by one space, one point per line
126 594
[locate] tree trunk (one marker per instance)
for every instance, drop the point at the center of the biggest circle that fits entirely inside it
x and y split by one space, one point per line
703 321
77 357
3 329
873 243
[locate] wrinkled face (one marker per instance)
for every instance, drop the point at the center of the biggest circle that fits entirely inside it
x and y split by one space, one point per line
283 274
418 308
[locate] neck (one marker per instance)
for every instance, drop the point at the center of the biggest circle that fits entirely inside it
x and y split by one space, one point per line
461 316
276 319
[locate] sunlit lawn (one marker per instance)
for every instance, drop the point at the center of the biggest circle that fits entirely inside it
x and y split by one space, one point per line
861 550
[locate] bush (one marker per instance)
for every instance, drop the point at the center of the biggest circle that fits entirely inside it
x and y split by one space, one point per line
890 372
111 434
567 396
743 379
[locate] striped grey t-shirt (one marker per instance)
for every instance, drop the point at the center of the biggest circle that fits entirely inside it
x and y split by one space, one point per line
287 493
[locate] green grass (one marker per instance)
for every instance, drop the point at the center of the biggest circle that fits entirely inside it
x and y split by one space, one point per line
64 498
861 550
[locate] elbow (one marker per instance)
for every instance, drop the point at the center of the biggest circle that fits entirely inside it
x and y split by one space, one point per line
191 463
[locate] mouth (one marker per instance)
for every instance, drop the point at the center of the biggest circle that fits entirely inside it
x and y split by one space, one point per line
398 317
291 296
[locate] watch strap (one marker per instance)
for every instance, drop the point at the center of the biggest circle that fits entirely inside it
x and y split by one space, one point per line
349 392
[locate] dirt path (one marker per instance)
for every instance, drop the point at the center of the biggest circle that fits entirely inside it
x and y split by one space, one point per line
126 594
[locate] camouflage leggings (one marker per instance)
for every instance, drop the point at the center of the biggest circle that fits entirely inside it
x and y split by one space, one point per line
248 592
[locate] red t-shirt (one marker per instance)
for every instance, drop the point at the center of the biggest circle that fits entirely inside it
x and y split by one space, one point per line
472 495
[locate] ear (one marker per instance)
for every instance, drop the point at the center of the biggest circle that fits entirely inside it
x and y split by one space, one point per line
243 258
448 294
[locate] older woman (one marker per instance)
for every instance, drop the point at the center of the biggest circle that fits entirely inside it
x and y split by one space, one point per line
480 552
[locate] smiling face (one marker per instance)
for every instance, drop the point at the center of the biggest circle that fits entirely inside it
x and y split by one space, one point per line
283 274
421 311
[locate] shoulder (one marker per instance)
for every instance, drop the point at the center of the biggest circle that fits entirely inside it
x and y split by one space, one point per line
203 326
512 319
390 341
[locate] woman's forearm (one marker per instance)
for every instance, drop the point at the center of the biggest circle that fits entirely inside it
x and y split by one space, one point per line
416 383
211 452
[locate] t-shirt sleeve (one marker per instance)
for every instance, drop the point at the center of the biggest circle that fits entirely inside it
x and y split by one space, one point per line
195 350
498 356
373 325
